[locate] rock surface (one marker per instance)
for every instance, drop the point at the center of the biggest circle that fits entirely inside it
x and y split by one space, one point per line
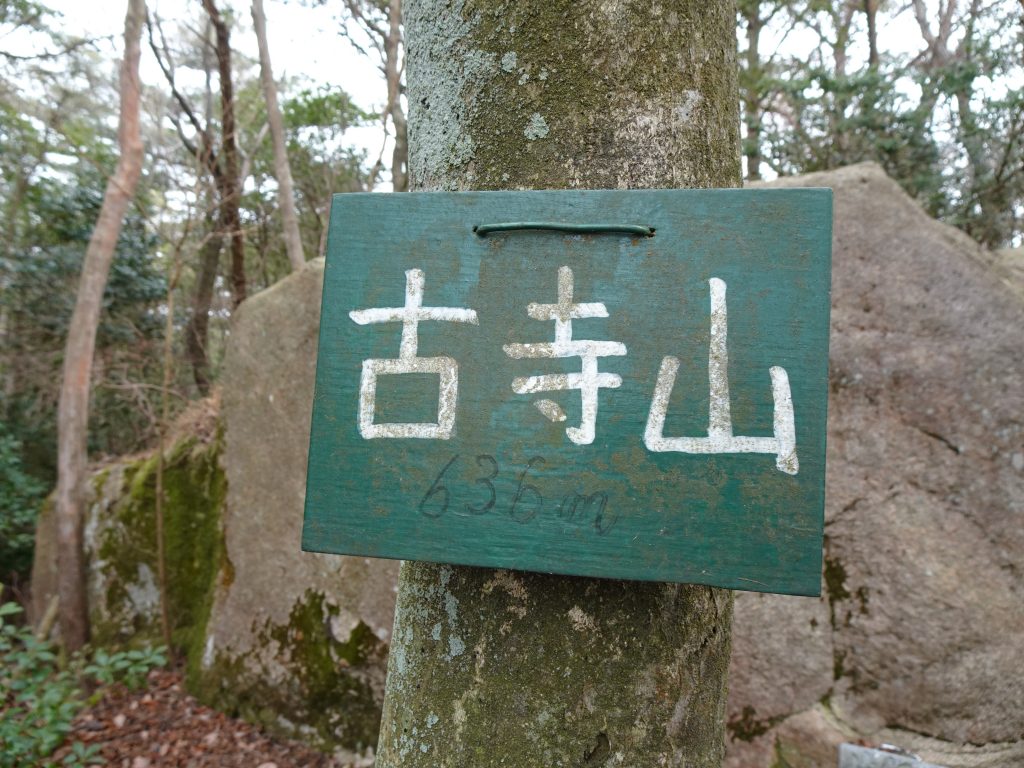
295 641
917 639
1009 265
120 545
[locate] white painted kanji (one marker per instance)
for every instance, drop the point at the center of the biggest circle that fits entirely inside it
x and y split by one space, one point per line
408 362
589 380
720 438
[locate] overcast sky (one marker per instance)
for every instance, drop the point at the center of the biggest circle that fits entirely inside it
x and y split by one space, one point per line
303 42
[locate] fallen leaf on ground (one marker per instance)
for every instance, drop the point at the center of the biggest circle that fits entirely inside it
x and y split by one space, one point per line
172 730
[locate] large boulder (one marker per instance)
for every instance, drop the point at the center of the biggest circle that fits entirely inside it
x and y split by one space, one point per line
295 641
120 541
918 639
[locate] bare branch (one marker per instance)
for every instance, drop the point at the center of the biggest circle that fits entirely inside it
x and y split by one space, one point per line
168 72
921 14
69 48
946 15
247 156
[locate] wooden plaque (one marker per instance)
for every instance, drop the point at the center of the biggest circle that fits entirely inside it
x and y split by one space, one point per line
625 384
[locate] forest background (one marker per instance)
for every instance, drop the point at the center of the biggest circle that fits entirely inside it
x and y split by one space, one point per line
933 90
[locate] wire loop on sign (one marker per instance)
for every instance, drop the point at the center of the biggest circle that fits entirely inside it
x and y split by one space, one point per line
636 230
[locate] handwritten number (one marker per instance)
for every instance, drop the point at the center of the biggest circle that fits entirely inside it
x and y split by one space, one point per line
528 501
522 490
479 509
438 487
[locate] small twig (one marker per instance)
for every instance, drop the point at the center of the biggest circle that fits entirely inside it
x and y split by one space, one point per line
49 618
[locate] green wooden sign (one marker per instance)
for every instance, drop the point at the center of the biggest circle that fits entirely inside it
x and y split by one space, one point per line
626 384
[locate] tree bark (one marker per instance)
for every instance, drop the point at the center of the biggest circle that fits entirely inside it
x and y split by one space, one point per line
198 329
871 13
282 169
842 19
165 392
393 76
231 186
523 669
751 94
382 21
73 409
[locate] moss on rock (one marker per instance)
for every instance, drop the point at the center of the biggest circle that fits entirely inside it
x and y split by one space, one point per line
122 542
329 693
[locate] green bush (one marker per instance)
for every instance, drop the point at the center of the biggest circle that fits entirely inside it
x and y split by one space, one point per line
20 498
40 695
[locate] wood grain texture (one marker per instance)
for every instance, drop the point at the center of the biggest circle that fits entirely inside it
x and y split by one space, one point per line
509 488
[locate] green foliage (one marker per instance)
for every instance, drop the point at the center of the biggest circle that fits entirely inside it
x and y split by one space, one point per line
57 98
38 280
127 667
58 106
322 107
82 754
21 12
946 121
321 163
62 219
20 498
40 694
851 119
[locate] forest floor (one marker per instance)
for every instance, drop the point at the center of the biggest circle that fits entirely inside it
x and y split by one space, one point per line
161 726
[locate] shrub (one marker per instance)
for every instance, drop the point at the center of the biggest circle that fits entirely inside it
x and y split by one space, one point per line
40 694
20 498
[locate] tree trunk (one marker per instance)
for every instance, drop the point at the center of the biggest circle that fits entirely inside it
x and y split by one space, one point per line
551 670
838 128
871 12
197 331
393 76
231 190
73 410
986 226
283 171
752 96
165 392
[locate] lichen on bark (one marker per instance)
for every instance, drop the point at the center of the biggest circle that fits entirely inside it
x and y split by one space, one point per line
562 94
524 669
520 669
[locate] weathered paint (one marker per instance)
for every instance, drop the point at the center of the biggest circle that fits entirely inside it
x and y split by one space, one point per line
720 437
474 475
446 368
589 381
